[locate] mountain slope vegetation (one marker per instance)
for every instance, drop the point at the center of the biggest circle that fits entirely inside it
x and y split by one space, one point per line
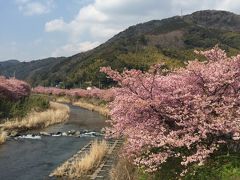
170 40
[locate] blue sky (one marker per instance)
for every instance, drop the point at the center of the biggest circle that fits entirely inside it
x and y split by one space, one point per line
35 29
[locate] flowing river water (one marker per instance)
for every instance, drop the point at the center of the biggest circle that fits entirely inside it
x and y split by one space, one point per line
34 159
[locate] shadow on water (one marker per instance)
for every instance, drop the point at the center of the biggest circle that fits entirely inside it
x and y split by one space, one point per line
29 159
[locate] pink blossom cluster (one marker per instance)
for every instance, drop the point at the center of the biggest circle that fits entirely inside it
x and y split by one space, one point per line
13 89
49 90
103 94
187 113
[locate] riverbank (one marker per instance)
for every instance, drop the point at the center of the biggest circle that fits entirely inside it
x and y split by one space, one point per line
86 103
93 161
56 113
54 144
3 137
80 164
103 110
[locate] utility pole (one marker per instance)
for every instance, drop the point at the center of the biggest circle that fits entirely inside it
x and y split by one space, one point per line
99 84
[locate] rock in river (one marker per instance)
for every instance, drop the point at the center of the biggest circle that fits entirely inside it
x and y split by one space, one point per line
45 134
13 134
77 133
64 134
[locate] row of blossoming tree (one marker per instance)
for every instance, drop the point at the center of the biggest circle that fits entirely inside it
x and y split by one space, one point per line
103 94
185 114
13 89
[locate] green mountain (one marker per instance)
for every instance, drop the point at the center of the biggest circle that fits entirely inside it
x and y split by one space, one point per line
8 63
30 71
170 40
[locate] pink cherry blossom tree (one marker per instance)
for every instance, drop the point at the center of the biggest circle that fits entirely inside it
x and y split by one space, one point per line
103 94
13 89
187 113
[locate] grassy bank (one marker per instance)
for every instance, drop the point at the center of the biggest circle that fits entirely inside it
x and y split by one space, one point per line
18 109
124 170
91 104
103 110
63 99
81 166
3 137
55 114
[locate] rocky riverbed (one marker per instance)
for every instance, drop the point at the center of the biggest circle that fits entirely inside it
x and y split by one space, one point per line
71 133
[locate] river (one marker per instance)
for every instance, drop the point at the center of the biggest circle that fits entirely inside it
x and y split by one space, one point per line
34 159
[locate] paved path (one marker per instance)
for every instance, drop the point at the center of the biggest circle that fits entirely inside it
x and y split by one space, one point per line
103 170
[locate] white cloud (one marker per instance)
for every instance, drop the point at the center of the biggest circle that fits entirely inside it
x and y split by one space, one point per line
55 25
91 14
74 48
33 7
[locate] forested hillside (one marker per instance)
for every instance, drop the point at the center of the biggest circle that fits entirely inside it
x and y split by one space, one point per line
169 40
